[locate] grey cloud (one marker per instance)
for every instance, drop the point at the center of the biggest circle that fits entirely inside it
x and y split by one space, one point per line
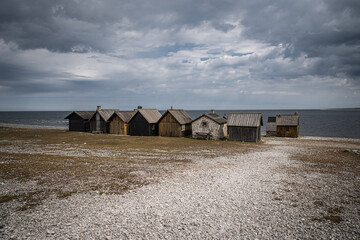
310 39
16 79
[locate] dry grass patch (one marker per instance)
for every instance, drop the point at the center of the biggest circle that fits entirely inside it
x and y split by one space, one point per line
64 163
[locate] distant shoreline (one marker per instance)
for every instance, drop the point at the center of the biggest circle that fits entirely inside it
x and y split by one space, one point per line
11 125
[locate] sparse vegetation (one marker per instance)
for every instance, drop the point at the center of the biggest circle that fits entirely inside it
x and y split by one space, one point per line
333 218
61 163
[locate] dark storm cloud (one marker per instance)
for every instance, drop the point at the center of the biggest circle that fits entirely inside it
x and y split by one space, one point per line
158 46
319 29
18 79
65 25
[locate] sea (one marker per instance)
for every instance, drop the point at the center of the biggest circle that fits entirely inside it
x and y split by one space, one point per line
343 123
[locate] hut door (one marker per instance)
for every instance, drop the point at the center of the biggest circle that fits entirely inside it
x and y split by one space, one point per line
125 129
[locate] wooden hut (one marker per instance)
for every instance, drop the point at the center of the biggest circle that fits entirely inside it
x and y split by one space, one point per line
245 127
144 122
209 126
79 121
99 122
119 122
271 127
175 123
287 125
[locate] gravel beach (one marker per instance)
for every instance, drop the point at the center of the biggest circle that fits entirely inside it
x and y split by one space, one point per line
275 190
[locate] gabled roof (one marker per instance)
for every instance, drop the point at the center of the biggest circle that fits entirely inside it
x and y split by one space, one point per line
213 116
151 115
105 114
245 120
179 114
123 115
287 120
86 115
216 118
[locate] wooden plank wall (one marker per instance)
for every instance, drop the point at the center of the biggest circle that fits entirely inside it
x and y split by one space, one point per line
169 127
117 126
140 127
77 124
287 131
244 134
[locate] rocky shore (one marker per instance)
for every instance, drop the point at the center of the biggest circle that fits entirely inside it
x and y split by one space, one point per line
176 188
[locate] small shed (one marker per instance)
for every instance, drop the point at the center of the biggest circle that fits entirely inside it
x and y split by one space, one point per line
119 122
271 127
287 125
209 126
245 127
175 123
79 121
99 122
144 122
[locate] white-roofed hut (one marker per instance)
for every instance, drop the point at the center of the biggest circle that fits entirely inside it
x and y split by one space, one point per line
209 126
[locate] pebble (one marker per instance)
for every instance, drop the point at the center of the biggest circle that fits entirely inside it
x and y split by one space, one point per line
206 201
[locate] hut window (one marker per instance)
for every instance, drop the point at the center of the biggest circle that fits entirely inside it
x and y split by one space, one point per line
182 127
204 124
153 127
287 129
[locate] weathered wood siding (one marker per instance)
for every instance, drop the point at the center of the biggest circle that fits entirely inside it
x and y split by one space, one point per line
169 127
212 130
118 126
287 131
140 127
271 129
104 127
244 134
77 124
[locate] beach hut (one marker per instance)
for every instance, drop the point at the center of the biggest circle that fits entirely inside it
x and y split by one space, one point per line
144 122
79 121
245 127
175 123
119 122
287 125
271 127
99 122
209 126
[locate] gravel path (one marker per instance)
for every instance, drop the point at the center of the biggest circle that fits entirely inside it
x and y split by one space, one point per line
242 196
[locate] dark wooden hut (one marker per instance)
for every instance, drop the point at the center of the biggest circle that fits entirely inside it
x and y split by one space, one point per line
175 123
79 121
271 127
119 122
99 122
209 126
144 122
287 125
245 127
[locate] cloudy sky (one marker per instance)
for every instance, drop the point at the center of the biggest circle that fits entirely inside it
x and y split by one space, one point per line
229 54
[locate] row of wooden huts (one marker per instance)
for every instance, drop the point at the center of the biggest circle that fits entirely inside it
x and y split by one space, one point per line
244 127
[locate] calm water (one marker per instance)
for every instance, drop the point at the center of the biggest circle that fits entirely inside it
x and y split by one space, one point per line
322 123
